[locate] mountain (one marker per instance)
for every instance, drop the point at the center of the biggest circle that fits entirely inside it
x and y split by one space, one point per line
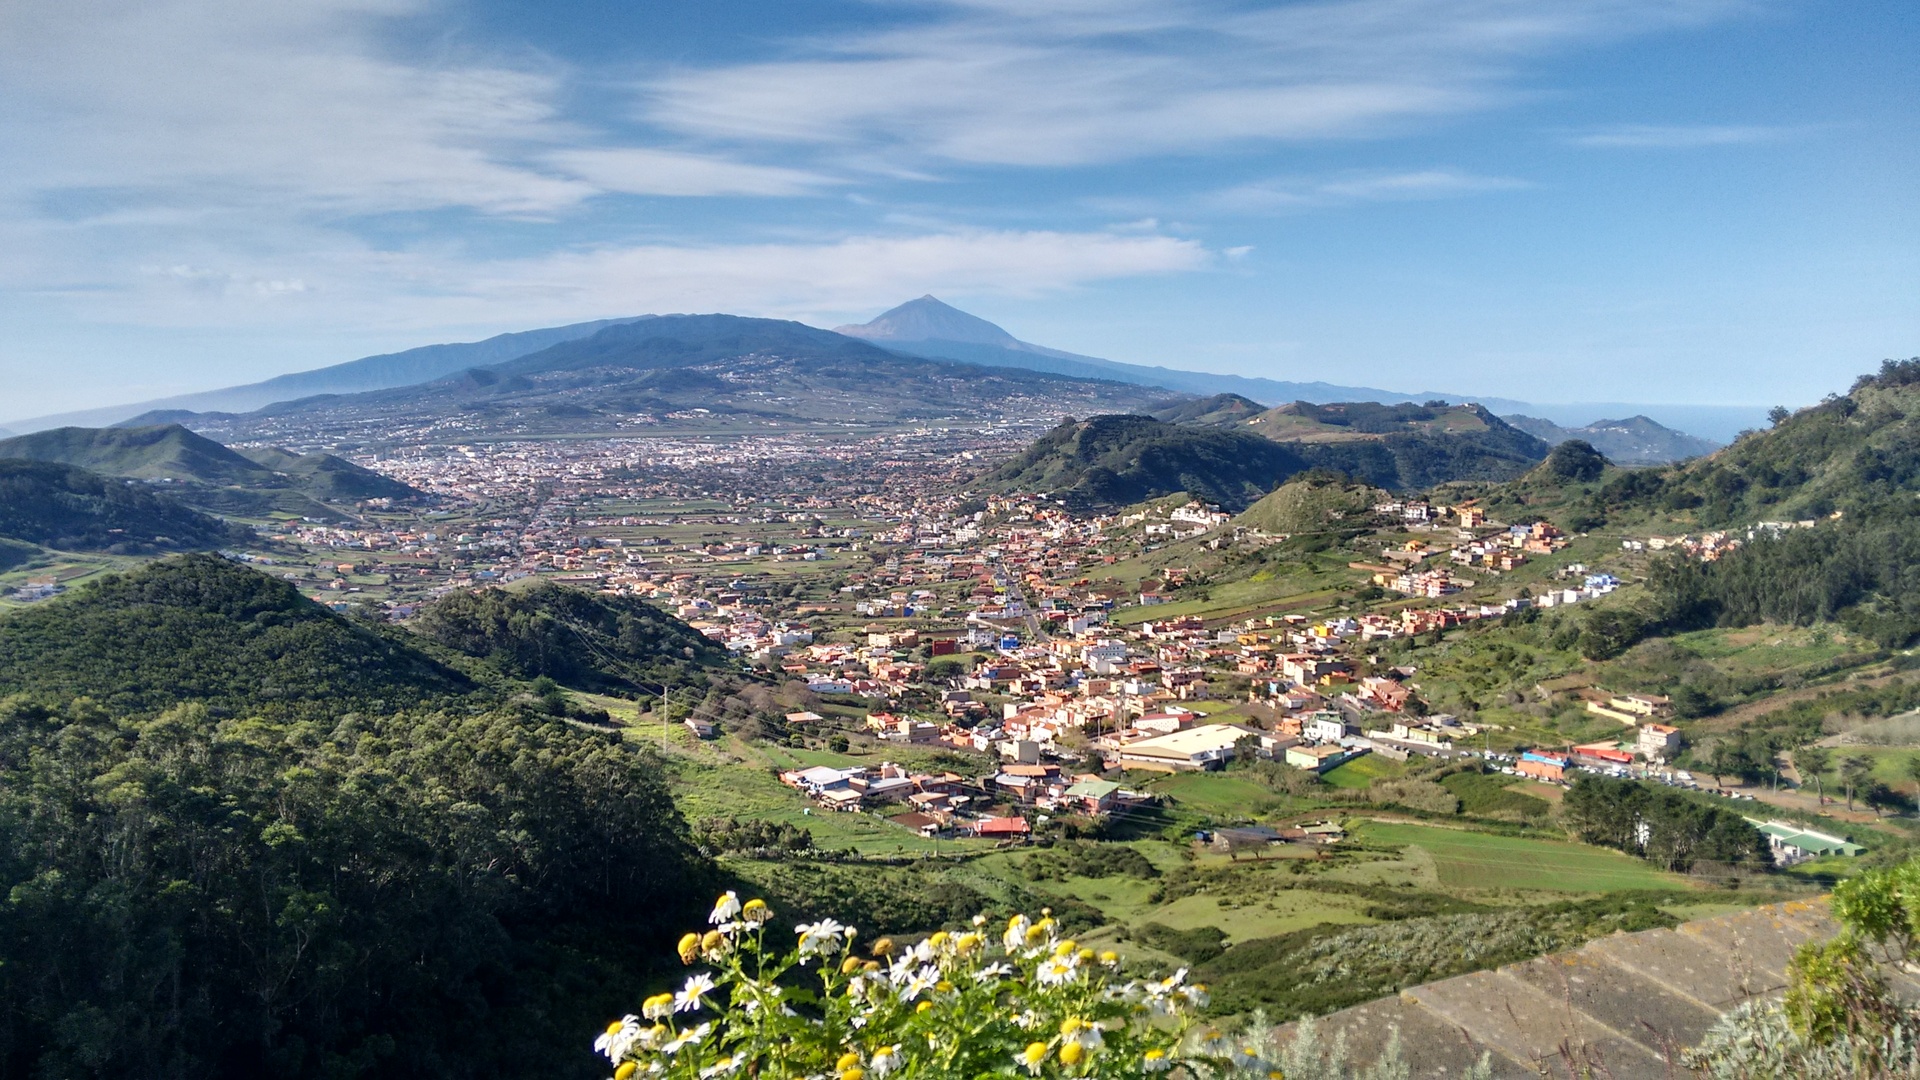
367 373
697 371
205 473
1220 410
1637 440
1119 460
1116 460
1402 446
164 452
929 327
73 509
328 478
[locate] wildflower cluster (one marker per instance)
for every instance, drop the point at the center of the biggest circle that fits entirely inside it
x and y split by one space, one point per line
1019 1000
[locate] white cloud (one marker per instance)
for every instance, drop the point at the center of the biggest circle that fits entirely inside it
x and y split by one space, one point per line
644 171
335 283
307 107
1084 81
1678 136
1288 194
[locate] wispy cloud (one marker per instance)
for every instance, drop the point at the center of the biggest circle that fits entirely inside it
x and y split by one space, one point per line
1679 136
1286 194
1083 81
309 108
333 281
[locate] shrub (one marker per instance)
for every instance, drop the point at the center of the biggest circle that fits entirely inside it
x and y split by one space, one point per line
955 1005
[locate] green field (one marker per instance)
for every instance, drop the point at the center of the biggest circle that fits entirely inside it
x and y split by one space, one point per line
1358 774
1226 795
1485 861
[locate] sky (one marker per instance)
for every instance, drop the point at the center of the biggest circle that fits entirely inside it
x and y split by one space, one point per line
1698 201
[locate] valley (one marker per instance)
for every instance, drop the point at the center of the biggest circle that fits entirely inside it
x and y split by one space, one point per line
1298 698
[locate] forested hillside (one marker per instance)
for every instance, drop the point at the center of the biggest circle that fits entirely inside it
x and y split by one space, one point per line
435 894
1116 460
201 628
577 638
70 508
245 837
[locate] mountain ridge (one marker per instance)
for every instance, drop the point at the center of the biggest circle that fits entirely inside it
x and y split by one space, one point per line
925 327
206 471
691 370
1636 440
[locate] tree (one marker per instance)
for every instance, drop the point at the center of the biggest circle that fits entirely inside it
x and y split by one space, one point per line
1811 762
1912 769
1778 415
1856 773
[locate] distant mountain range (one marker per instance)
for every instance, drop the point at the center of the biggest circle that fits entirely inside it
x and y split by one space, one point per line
924 328
703 372
1637 440
929 327
203 473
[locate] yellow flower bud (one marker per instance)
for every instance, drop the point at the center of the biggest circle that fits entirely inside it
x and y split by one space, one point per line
1086 955
850 965
689 948
626 1070
756 911
883 947
938 939
1108 956
943 986
1065 947
923 1006
1035 1053
967 942
614 1028
1035 934
1070 1025
1071 1053
847 1061
853 1074
871 965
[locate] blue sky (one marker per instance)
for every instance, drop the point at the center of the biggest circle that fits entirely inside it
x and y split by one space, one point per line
1707 201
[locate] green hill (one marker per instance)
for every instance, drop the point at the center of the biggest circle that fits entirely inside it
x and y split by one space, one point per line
1220 410
577 638
1850 453
70 508
1404 446
1120 460
1858 454
202 628
329 478
202 472
1310 502
161 452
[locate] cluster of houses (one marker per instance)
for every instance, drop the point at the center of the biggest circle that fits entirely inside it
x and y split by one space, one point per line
948 804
